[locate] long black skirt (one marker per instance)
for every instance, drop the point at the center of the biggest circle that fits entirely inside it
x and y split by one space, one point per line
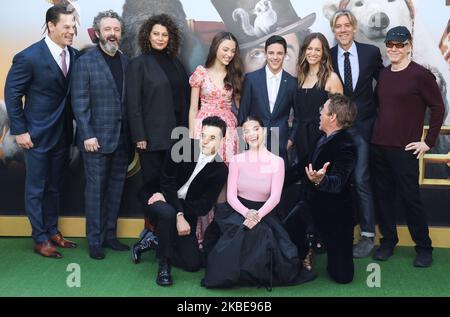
262 256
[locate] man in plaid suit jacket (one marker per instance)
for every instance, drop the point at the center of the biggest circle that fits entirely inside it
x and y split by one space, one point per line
98 105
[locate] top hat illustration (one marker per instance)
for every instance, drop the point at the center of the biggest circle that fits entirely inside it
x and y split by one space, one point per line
254 21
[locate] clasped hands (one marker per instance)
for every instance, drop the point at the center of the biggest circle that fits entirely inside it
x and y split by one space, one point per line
251 218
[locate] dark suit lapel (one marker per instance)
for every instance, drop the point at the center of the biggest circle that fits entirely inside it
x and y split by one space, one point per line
262 82
281 93
362 64
106 70
122 61
319 150
72 61
334 60
52 63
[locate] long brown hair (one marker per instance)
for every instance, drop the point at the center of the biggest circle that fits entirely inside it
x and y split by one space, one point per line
235 74
325 66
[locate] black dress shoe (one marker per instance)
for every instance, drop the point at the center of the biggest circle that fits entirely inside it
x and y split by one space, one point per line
423 259
96 252
164 277
305 276
383 253
115 245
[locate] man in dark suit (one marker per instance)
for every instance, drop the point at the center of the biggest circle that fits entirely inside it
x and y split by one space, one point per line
357 65
328 192
98 104
191 180
269 94
43 127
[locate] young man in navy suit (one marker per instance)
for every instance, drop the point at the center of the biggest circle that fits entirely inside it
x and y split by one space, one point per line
269 94
43 126
357 65
98 87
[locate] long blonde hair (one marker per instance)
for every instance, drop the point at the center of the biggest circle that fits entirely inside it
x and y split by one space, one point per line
325 66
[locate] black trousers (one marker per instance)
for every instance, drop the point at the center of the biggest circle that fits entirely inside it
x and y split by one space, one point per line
336 233
151 165
181 251
338 238
395 174
363 188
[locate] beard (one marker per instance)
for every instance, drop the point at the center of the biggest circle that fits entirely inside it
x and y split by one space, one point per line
109 47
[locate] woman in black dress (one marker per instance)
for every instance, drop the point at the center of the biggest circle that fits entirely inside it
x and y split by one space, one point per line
316 80
253 248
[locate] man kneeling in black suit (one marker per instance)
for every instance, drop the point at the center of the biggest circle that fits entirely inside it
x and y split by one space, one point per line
191 180
328 193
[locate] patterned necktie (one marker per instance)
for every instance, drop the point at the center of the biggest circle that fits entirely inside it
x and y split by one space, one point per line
63 63
348 83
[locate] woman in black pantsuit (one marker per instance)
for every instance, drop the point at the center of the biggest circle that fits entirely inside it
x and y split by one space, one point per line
157 95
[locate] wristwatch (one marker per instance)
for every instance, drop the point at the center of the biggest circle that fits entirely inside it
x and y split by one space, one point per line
180 213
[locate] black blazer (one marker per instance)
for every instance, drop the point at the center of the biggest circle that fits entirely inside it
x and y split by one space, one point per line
150 107
332 198
204 189
370 64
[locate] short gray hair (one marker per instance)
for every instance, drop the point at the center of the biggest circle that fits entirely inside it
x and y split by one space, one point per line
106 14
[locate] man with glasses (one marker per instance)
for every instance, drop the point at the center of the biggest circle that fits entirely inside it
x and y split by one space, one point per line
405 89
357 65
329 198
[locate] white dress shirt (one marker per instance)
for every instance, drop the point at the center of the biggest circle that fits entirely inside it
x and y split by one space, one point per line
273 85
354 62
56 51
201 163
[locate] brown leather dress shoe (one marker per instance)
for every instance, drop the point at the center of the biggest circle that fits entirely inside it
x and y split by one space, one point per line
47 249
61 242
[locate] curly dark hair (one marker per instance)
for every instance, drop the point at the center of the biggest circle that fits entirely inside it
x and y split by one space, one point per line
166 21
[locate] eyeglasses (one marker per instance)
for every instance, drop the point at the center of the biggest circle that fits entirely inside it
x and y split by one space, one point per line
397 45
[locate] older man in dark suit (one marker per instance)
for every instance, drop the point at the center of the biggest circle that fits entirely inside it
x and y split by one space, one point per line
43 127
269 94
329 198
358 65
98 104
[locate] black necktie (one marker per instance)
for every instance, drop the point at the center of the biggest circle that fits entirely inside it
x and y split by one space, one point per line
348 83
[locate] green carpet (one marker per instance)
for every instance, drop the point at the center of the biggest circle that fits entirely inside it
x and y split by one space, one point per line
24 273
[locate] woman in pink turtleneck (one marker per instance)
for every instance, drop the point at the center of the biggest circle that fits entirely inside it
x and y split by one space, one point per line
256 175
254 248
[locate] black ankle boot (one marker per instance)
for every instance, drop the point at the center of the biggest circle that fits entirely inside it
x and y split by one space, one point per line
164 278
148 242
